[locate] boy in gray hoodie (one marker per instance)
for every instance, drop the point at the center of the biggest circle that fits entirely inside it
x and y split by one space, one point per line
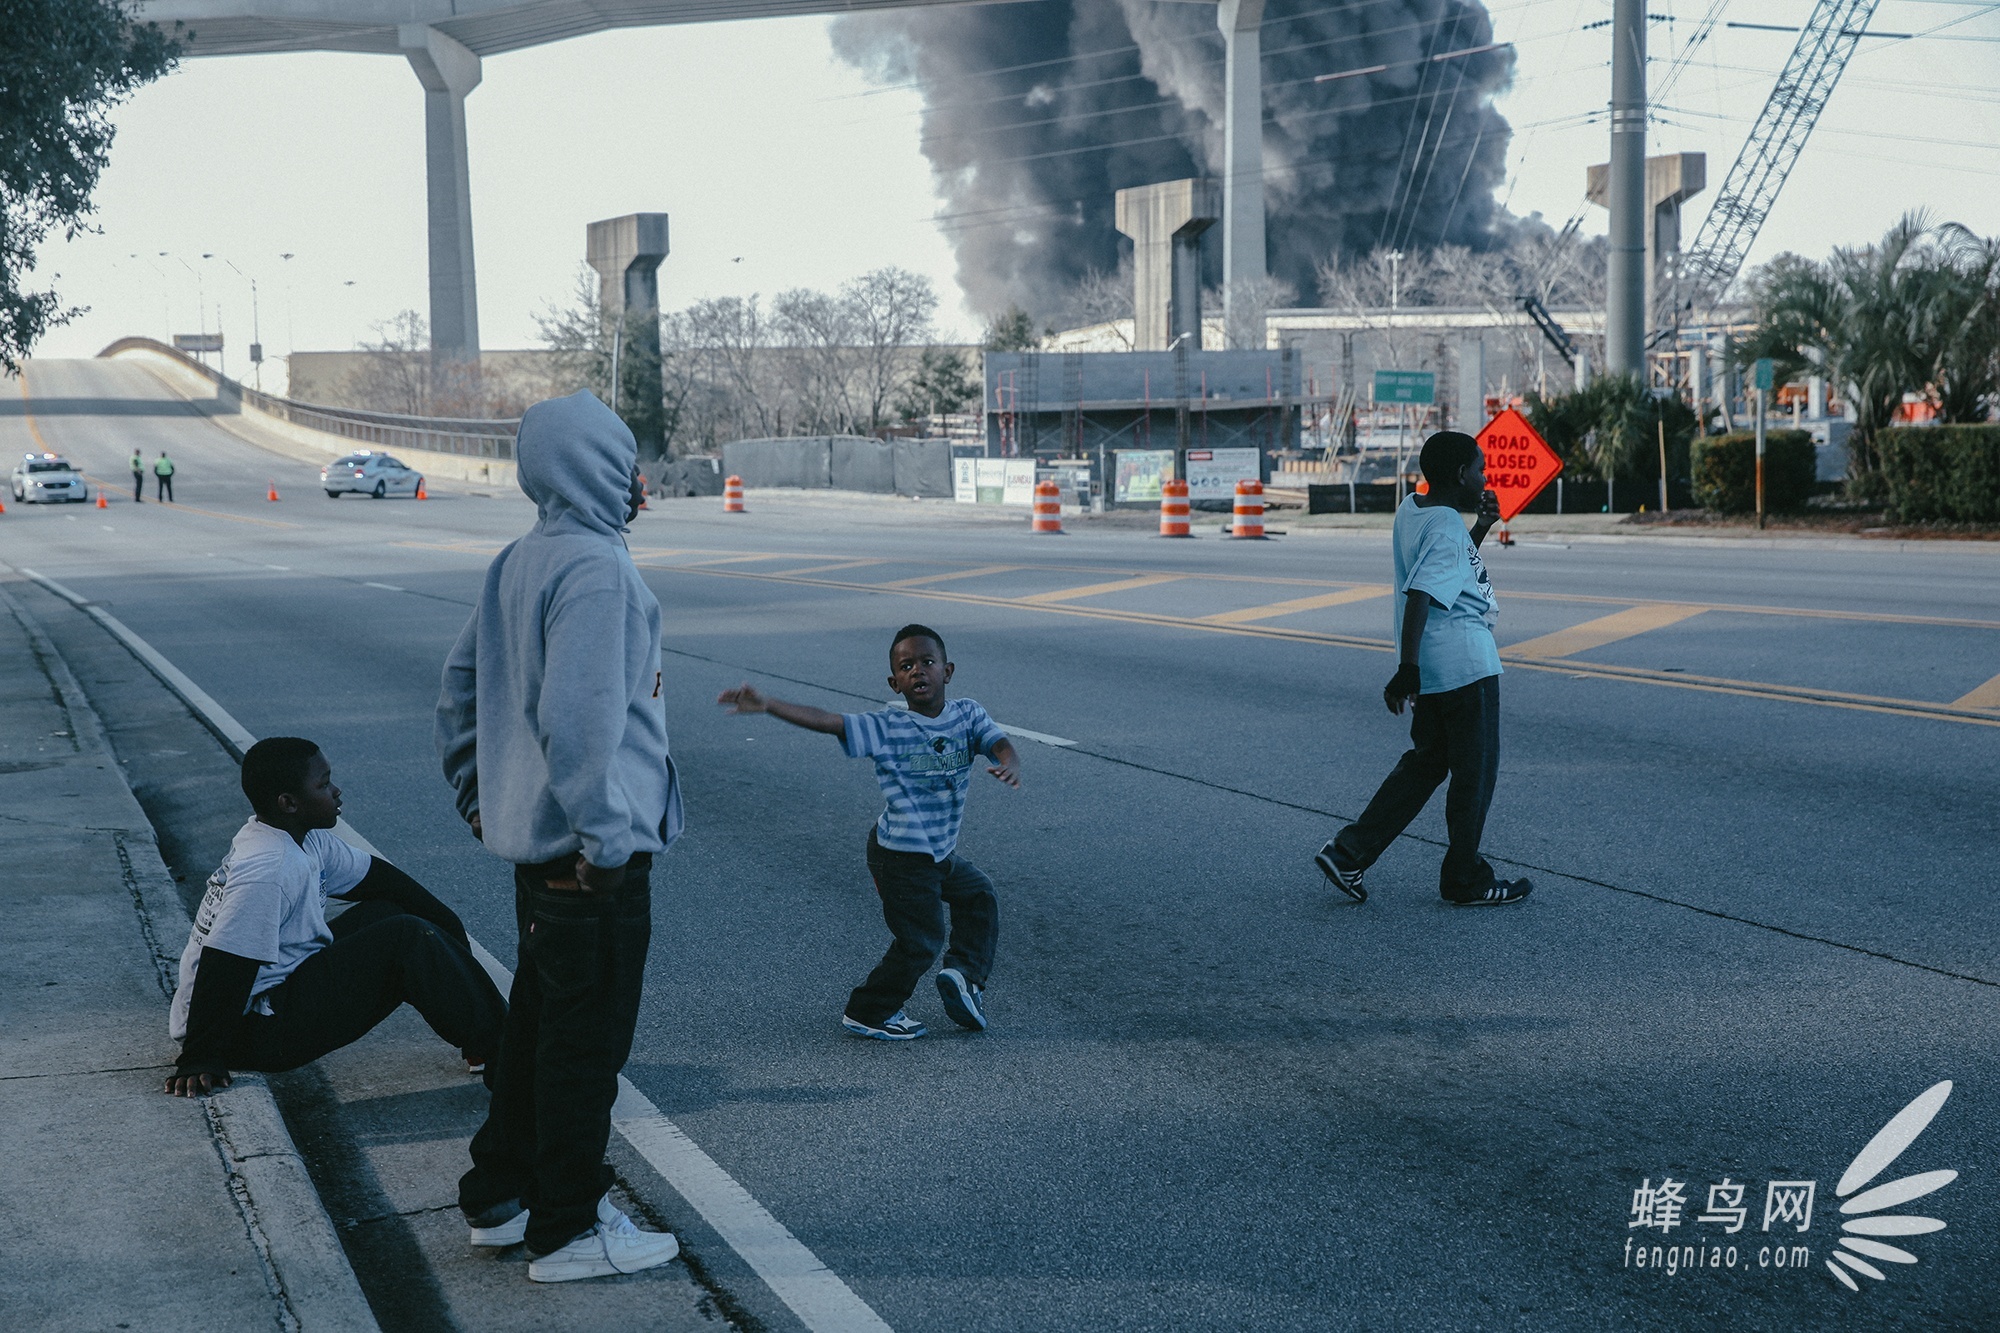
554 736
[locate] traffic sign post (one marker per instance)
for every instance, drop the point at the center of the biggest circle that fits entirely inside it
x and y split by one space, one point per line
1519 463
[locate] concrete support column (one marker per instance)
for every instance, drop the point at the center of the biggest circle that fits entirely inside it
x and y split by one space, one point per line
1165 222
448 72
626 252
1625 309
1243 264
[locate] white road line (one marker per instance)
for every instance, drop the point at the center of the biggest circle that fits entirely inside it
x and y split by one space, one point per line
286 568
814 1292
385 587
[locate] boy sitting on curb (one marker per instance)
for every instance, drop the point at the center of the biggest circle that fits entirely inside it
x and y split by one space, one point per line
923 760
267 984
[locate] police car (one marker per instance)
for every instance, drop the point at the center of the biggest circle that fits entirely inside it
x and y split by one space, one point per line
370 473
47 479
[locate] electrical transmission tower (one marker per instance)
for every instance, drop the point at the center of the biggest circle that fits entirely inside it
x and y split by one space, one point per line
1826 42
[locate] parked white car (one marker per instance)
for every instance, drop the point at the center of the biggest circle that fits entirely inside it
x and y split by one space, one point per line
369 473
48 479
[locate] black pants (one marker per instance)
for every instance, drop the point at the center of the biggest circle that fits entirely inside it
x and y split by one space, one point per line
381 958
166 489
917 894
138 487
569 1028
1455 734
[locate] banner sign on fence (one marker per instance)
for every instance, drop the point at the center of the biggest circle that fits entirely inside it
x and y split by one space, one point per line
1518 462
1018 484
965 480
993 481
1140 474
1212 474
1405 386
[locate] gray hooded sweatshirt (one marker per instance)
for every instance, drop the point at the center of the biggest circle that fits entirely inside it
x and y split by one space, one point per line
550 724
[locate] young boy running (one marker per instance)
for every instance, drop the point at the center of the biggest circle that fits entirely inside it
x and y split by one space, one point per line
1450 666
923 760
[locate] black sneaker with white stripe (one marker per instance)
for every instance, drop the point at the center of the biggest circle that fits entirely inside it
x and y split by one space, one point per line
1345 876
1497 894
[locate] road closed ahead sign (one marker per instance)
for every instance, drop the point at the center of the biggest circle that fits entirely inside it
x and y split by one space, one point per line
1518 463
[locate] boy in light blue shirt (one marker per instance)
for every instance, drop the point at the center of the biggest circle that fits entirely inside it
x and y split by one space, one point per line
932 898
1449 666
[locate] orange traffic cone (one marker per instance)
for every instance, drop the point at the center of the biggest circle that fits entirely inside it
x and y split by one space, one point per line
3 508
1048 508
1174 509
732 496
272 494
1248 520
100 499
420 489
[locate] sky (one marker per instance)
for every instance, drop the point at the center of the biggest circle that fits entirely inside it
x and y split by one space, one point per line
780 166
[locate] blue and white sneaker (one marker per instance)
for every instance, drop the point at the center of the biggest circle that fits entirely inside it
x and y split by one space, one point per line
898 1026
961 999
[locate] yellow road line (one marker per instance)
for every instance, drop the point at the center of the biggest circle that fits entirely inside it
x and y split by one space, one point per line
838 564
1916 708
944 578
1986 696
1605 629
1099 589
1298 604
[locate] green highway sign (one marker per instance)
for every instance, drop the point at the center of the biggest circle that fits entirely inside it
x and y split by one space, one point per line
1762 372
1405 386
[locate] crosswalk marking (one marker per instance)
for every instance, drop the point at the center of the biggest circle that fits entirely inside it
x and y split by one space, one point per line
1245 615
1986 696
1098 589
1605 629
928 579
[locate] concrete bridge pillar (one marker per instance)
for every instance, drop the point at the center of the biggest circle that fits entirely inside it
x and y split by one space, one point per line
626 252
1165 222
448 72
1243 265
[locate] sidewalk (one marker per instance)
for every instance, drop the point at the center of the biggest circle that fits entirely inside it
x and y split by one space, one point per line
358 1175
123 1207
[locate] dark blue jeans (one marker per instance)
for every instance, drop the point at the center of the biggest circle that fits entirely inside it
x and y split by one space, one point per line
928 905
569 1029
1454 734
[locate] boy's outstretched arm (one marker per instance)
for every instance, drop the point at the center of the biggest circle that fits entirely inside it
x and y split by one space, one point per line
746 698
1006 764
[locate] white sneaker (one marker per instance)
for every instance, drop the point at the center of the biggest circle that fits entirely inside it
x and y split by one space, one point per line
614 1245
496 1229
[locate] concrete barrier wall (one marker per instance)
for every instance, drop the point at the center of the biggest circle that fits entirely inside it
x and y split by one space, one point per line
864 465
923 467
293 441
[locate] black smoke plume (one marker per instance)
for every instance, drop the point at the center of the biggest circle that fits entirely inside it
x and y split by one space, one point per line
1035 113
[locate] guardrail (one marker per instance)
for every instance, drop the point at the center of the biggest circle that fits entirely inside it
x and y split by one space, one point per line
469 437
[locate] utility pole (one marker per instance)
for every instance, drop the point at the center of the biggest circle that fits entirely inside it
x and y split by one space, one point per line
1625 304
1395 258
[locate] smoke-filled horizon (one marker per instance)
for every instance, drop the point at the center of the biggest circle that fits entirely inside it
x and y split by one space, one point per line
1036 113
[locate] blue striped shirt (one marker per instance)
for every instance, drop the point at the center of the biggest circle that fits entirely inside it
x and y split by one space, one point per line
923 765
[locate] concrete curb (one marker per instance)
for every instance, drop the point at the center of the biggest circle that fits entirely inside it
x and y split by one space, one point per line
305 1262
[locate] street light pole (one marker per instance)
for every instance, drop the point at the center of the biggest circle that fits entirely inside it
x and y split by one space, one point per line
256 325
200 300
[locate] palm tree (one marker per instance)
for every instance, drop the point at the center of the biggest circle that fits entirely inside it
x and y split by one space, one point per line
1917 312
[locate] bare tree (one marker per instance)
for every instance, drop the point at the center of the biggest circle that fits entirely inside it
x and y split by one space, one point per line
396 377
892 310
820 333
1100 298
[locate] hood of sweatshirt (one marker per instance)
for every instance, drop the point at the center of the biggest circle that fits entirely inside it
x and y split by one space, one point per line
574 458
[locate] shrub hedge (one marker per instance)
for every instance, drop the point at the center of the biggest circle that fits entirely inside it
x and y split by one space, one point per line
1725 471
1942 473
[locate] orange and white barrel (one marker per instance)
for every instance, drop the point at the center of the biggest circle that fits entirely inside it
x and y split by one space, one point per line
1174 509
732 496
1048 507
1249 519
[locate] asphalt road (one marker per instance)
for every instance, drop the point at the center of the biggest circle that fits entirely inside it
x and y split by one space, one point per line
1759 813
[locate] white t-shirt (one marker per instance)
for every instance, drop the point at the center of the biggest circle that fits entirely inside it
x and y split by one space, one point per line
1435 556
267 900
